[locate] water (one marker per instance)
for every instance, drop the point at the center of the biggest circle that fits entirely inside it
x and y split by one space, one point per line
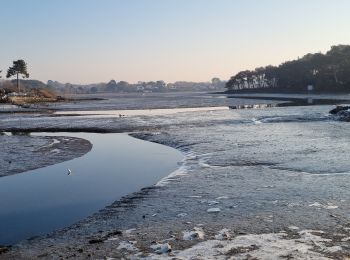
39 201
136 112
151 101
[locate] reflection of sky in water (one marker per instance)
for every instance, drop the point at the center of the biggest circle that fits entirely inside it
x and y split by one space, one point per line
137 112
41 200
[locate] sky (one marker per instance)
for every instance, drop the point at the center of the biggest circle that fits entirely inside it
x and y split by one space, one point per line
88 41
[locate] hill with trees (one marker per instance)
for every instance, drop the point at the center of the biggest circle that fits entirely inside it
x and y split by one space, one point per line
327 73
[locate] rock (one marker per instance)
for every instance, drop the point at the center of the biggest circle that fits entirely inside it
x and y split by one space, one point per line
337 109
96 241
341 113
213 210
115 233
197 233
344 115
3 249
161 248
224 234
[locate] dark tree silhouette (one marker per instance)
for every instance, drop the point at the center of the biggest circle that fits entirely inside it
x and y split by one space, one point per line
329 72
18 67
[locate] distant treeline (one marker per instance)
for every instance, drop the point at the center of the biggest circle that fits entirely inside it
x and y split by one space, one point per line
125 87
328 72
111 86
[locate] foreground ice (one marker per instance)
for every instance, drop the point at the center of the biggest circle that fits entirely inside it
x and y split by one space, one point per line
161 248
309 245
195 234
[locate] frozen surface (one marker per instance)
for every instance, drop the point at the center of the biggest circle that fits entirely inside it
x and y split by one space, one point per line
263 246
262 167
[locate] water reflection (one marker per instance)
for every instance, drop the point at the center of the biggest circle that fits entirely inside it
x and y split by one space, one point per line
136 112
39 201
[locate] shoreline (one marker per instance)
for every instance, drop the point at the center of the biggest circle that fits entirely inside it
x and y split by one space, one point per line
55 149
129 227
296 101
125 202
145 187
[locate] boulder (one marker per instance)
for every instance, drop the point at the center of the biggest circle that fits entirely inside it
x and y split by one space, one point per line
341 113
335 111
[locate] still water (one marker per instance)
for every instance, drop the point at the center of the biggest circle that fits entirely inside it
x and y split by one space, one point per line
136 112
39 201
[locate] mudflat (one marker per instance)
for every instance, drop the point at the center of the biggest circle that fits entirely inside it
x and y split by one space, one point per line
254 183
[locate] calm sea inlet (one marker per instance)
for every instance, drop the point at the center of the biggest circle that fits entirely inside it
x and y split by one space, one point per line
39 201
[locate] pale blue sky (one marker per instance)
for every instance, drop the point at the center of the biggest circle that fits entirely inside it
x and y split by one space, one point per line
83 41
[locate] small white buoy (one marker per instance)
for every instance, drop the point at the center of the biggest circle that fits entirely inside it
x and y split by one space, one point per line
69 172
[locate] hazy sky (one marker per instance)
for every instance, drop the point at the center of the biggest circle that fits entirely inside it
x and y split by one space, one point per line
83 41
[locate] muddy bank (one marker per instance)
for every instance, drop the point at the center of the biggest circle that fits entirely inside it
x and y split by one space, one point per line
284 206
22 152
273 176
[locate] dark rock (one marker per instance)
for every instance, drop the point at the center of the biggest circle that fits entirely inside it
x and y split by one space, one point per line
3 249
341 113
96 241
336 110
115 233
344 115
